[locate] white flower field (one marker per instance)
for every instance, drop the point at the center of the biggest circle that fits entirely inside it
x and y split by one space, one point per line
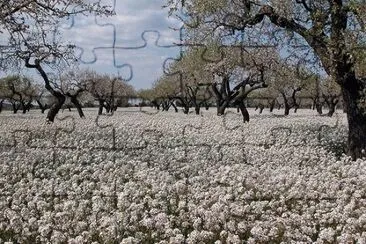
173 178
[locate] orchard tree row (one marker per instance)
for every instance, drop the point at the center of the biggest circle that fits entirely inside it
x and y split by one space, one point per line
323 35
231 76
77 88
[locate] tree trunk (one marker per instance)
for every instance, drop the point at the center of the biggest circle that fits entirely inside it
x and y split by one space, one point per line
261 109
287 105
107 107
197 109
221 110
1 105
28 105
101 105
166 105
319 108
186 109
287 109
55 108
15 108
272 105
41 107
175 107
356 115
207 106
331 109
77 104
244 111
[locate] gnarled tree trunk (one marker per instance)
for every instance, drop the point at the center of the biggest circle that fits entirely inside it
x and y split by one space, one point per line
356 114
197 109
272 104
287 109
26 106
60 98
78 106
175 107
55 108
15 107
41 106
319 107
100 107
244 111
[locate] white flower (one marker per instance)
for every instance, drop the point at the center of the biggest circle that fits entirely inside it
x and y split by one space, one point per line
327 234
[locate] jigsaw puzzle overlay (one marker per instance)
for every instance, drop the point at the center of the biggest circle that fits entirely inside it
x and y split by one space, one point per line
162 177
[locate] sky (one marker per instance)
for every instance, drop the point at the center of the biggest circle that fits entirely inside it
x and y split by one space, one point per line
134 20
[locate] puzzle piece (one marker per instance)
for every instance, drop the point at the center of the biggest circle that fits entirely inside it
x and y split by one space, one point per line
121 45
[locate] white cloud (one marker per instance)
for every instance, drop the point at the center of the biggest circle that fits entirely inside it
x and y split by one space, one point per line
131 20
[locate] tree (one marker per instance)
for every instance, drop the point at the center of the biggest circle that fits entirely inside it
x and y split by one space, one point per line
19 91
288 82
225 95
219 67
328 30
264 97
245 70
166 90
331 94
72 86
313 92
147 96
199 95
31 28
3 94
109 91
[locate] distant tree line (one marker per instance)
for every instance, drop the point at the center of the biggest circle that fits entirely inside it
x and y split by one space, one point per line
224 77
77 88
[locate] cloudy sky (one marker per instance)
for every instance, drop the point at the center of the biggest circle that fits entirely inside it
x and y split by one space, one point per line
134 21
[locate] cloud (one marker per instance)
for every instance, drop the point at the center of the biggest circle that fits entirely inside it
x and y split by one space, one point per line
95 37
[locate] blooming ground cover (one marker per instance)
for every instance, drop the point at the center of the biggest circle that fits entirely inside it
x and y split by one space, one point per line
171 178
